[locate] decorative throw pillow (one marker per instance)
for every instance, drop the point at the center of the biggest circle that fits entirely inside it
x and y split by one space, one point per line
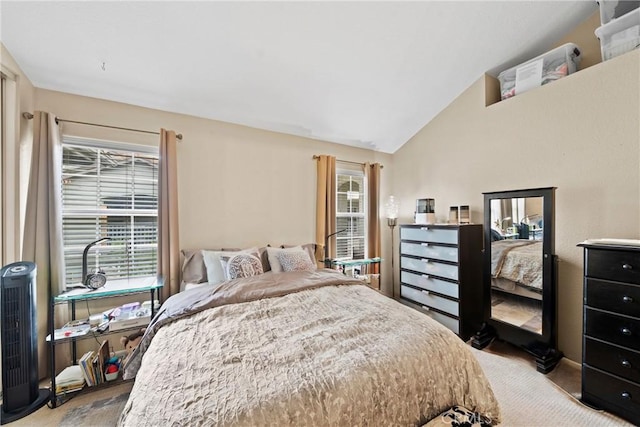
310 248
241 265
272 254
215 272
295 261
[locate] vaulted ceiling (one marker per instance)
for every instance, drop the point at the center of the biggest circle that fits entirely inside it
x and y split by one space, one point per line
368 74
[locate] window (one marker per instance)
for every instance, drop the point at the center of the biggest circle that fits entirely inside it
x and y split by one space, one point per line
109 190
351 215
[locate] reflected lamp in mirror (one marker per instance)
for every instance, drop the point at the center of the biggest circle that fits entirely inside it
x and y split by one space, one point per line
391 209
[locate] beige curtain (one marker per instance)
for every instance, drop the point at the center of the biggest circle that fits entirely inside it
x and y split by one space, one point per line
325 206
372 175
168 245
42 241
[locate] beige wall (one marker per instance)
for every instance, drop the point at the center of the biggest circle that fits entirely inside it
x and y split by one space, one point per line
238 186
580 134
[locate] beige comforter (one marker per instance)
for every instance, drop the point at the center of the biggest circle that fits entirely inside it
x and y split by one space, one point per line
322 355
518 260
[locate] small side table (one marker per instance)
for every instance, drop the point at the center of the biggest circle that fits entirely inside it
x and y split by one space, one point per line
373 280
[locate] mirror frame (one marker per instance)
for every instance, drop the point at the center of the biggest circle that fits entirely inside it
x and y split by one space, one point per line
543 346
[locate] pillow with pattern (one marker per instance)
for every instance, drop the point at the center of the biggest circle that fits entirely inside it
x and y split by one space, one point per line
241 265
295 261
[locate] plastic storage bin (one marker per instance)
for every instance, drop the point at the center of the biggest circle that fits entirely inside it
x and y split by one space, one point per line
543 69
612 9
620 35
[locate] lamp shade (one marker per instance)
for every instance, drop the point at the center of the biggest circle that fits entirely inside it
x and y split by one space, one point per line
391 207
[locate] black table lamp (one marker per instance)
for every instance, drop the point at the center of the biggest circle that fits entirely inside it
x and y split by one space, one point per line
327 261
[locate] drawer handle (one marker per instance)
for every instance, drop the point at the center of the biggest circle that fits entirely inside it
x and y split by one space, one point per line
627 299
425 308
424 228
424 244
425 260
426 276
425 292
626 395
625 331
627 266
626 363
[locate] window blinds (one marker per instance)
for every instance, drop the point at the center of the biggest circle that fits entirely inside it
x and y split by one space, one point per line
350 215
109 190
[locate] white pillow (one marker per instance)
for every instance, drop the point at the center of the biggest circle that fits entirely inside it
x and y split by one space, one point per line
274 262
215 273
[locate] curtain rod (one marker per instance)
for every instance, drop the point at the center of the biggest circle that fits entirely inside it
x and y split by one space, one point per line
316 157
29 116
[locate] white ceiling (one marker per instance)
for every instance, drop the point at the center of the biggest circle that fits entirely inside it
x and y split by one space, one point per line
368 74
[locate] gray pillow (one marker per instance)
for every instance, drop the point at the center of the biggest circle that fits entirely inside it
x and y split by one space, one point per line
193 268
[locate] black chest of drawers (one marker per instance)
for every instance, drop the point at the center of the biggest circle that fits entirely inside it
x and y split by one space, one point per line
441 274
611 329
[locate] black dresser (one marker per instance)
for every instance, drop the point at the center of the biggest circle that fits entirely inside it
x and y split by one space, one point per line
611 339
441 274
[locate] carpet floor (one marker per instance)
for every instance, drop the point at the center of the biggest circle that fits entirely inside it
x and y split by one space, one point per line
526 397
529 398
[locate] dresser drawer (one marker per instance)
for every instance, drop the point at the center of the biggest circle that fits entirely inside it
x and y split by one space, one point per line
448 322
430 283
621 394
613 296
621 330
620 266
610 358
427 266
429 250
423 297
430 234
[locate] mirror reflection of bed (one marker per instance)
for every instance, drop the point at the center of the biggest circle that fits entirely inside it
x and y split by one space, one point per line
516 262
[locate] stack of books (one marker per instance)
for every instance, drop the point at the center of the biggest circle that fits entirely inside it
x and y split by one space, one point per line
92 365
70 379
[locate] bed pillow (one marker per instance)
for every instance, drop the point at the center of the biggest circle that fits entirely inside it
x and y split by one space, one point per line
295 261
264 258
272 254
241 265
310 248
193 268
215 273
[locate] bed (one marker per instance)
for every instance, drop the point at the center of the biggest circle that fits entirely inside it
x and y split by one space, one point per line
516 267
298 348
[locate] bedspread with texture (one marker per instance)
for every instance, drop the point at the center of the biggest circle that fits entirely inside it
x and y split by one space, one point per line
308 348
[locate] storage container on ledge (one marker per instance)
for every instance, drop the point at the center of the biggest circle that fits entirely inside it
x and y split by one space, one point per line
613 9
620 35
543 69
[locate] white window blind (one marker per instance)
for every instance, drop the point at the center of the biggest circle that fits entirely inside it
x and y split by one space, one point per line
350 215
109 190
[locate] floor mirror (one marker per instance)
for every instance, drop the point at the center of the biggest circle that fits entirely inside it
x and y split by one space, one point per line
519 280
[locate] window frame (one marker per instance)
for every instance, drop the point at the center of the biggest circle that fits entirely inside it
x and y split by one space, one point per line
128 214
353 172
